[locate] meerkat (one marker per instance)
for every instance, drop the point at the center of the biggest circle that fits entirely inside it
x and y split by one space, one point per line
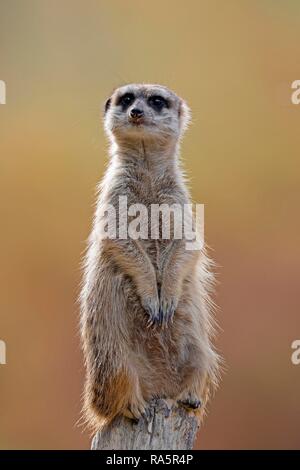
146 314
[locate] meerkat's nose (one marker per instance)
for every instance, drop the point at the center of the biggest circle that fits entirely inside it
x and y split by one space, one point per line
136 113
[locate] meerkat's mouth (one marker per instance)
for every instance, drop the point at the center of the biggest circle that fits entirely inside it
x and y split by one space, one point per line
137 122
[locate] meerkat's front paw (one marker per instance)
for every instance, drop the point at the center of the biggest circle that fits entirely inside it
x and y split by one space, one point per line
167 307
151 306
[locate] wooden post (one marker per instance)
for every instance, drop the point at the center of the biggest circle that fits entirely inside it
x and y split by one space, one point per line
165 429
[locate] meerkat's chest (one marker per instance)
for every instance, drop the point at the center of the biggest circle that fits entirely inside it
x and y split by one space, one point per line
146 189
154 207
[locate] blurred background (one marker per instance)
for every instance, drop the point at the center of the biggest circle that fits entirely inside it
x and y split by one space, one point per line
234 63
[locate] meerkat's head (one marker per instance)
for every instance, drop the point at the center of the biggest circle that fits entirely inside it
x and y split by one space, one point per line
142 111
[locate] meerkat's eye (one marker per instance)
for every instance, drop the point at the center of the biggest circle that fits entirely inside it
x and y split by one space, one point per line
158 102
126 100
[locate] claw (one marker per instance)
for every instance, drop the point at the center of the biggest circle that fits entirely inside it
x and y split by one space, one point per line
166 311
152 309
159 313
191 403
147 413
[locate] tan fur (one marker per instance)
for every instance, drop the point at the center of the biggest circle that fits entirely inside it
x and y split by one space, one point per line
127 360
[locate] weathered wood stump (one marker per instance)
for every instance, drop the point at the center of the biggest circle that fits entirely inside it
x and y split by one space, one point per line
165 429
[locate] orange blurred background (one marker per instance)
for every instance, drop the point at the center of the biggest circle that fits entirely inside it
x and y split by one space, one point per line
234 63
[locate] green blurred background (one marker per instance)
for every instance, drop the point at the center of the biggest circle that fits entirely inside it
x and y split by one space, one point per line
234 63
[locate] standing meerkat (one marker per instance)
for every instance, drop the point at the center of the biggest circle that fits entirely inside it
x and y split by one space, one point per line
146 314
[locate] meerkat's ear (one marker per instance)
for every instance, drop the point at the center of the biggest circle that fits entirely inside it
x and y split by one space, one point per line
107 105
184 114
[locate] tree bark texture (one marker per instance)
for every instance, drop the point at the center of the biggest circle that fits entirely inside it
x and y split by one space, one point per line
163 429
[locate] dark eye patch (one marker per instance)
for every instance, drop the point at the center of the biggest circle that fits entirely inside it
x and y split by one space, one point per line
126 100
158 102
